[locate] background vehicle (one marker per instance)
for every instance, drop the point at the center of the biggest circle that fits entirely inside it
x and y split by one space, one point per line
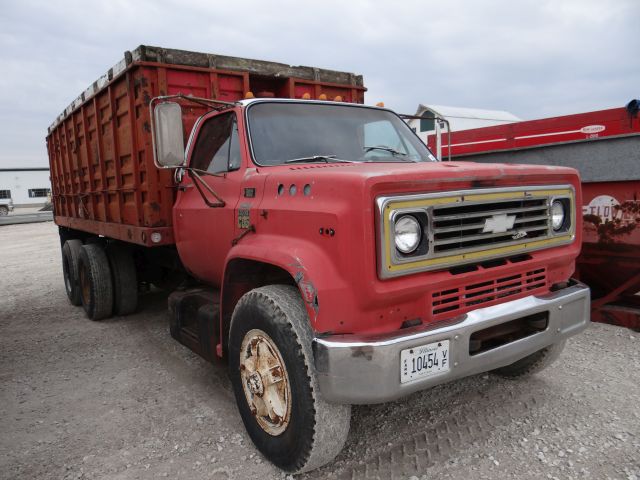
316 246
605 147
6 206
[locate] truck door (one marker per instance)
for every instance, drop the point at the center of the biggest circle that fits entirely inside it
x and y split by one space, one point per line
204 233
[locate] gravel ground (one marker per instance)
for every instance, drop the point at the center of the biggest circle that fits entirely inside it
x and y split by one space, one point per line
120 399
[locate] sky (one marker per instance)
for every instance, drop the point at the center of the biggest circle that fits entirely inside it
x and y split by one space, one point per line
533 58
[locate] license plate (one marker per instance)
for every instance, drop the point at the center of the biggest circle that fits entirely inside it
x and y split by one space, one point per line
424 361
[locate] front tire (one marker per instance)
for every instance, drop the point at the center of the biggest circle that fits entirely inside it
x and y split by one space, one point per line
532 364
273 377
4 211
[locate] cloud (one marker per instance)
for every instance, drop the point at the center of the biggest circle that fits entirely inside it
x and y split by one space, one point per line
533 58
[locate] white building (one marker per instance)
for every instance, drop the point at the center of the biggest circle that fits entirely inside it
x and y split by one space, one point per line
25 186
458 118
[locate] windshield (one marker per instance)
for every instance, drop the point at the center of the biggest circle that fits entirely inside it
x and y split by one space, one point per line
283 132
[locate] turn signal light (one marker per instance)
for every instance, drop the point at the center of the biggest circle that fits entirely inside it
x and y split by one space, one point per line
380 104
249 95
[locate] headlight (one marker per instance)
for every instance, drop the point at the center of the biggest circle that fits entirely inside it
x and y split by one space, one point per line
408 234
557 215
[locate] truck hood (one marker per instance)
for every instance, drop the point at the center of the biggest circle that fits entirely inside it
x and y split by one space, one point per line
421 177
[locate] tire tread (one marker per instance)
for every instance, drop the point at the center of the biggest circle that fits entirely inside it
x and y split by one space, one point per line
125 281
71 249
100 304
331 421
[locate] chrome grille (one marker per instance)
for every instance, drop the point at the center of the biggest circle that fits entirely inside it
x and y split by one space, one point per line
471 226
462 227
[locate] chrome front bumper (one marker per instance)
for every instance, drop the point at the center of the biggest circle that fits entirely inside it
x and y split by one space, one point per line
360 369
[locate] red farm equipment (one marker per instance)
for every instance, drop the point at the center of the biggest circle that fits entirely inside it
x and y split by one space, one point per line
605 147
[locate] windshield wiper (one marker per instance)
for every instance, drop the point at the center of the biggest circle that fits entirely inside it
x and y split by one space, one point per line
393 151
317 158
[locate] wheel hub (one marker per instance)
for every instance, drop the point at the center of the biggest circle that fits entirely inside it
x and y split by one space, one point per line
254 382
265 382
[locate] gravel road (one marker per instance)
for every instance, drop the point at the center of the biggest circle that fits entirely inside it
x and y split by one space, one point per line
120 399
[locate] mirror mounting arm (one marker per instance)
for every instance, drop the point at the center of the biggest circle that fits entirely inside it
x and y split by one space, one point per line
199 183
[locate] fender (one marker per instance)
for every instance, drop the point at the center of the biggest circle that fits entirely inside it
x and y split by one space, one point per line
321 283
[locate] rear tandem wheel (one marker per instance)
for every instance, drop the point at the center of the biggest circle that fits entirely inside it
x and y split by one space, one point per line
94 278
125 279
70 255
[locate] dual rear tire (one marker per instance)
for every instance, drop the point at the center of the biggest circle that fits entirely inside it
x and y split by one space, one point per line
94 279
70 255
124 278
102 280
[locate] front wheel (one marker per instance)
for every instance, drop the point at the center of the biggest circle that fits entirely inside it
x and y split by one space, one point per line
533 363
273 376
4 211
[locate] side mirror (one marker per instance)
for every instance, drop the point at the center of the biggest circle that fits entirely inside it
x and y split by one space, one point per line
168 137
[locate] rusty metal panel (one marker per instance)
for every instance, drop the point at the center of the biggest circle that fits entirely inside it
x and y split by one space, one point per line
100 153
609 164
145 53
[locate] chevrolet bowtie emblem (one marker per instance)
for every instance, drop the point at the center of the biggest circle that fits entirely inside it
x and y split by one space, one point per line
499 223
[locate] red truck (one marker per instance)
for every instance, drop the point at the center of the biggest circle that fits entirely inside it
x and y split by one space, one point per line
313 243
604 146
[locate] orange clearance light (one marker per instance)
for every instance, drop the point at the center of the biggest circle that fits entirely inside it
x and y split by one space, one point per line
322 97
306 96
380 104
249 95
338 98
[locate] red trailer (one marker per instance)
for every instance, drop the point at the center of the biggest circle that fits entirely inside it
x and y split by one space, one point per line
605 147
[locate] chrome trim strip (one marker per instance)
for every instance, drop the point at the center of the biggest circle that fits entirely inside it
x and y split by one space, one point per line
480 225
361 369
494 212
471 238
